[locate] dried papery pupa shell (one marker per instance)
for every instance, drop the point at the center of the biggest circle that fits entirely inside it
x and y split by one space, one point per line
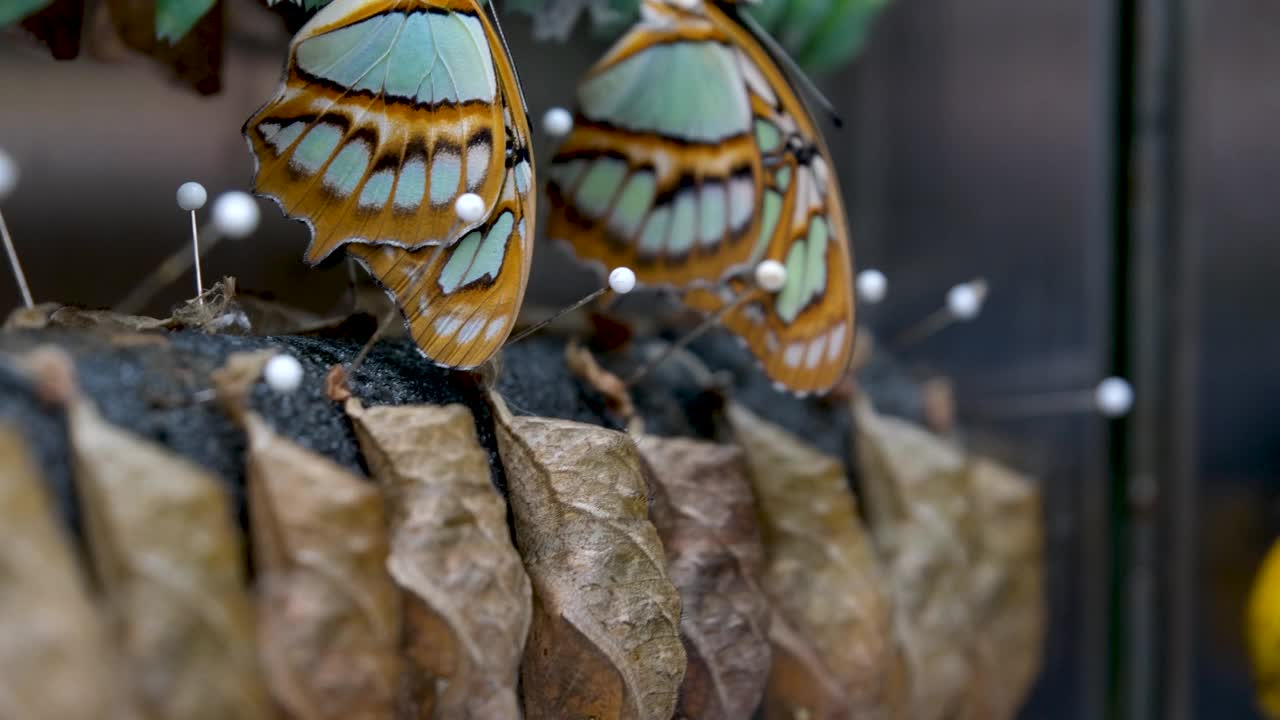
170 561
704 510
55 663
605 640
917 496
328 612
467 597
824 581
1006 583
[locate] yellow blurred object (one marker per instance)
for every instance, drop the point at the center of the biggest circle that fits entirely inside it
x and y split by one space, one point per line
1263 632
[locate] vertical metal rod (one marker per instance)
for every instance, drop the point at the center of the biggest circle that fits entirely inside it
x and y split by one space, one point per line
1162 489
1154 452
1100 655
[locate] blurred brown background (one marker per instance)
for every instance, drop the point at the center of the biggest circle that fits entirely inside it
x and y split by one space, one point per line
986 138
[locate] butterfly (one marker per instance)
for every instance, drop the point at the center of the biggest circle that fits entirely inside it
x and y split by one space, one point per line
389 111
691 160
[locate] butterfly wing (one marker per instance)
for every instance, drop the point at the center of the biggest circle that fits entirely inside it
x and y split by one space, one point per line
803 335
389 110
460 301
660 173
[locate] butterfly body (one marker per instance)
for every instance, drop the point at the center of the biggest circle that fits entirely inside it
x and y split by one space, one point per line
692 160
390 110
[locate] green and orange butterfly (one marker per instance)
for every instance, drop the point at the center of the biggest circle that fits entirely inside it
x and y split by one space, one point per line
390 110
692 160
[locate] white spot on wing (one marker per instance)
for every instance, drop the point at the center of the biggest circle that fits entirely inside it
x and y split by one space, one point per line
793 355
821 173
477 164
815 352
447 324
741 199
470 330
837 342
755 79
496 326
446 167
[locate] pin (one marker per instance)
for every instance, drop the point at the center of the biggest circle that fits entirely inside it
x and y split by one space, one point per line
283 374
557 122
1112 398
964 303
770 277
622 280
8 181
235 215
872 286
470 207
191 197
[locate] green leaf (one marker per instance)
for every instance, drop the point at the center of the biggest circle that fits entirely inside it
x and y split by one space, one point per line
841 36
768 13
175 18
803 19
12 11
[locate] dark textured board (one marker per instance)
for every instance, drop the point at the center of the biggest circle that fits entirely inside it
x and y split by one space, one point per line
161 391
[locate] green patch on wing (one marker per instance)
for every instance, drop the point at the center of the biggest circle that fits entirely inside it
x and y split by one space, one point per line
478 255
806 264
12 11
687 90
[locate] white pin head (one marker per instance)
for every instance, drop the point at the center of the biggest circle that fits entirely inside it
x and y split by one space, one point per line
192 196
8 174
1113 397
557 122
283 373
771 275
236 214
470 207
964 301
872 286
622 280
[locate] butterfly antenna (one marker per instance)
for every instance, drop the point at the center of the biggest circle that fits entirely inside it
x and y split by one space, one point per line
792 67
502 37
